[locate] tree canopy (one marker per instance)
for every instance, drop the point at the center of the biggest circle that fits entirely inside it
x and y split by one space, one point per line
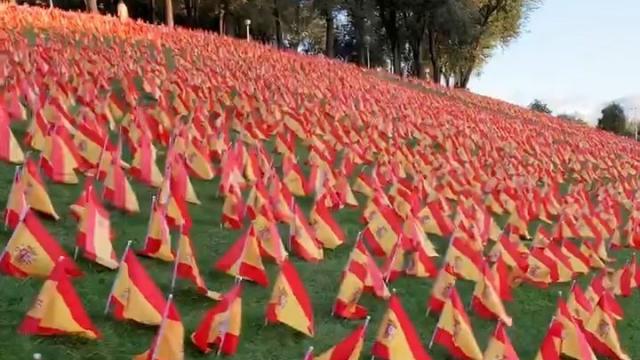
444 40
540 106
613 119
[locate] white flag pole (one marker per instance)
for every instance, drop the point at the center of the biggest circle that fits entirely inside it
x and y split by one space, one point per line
113 287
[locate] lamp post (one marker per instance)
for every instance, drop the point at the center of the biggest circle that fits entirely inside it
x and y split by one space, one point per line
367 41
247 23
221 21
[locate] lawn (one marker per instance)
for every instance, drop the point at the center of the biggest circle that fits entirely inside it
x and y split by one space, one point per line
531 307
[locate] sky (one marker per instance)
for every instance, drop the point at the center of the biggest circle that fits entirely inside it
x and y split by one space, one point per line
575 55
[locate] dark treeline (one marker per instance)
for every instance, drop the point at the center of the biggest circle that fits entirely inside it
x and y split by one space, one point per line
444 40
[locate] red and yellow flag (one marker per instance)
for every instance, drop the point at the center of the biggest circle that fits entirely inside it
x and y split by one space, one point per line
486 301
499 346
9 148
117 189
601 332
290 304
574 342
349 293
36 193
188 266
134 295
58 310
94 235
221 325
326 228
243 259
349 348
454 331
550 347
397 338
32 251
157 243
303 238
16 201
58 160
168 344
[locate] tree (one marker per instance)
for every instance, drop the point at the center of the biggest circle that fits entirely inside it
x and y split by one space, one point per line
168 9
613 119
572 118
539 106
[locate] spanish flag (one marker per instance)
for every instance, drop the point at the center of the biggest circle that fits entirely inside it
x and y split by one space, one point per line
58 309
187 267
58 160
624 279
268 237
550 347
454 331
374 281
93 147
197 161
243 259
463 260
326 228
290 304
134 295
445 281
601 332
16 201
486 301
94 235
221 325
351 287
117 189
574 342
157 243
233 210
88 191
349 348
9 148
383 229
303 238
168 344
37 196
579 305
143 166
32 251
499 346
397 338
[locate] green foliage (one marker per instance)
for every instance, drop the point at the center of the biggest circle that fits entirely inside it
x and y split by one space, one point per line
539 106
572 118
613 119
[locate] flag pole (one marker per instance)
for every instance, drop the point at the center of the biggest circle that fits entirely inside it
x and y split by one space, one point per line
309 353
113 287
175 264
152 355
153 203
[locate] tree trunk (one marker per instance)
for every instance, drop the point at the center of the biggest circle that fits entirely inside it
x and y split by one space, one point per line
397 65
276 16
153 11
92 6
168 9
418 67
464 76
436 69
329 41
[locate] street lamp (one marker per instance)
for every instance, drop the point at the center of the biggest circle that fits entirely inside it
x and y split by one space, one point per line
367 41
221 24
247 23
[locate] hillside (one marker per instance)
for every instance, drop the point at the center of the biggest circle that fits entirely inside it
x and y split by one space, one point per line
490 170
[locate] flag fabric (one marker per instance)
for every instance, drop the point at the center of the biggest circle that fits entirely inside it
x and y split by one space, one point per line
243 259
35 190
454 331
94 235
303 238
268 237
168 344
290 304
157 243
188 267
463 260
574 342
550 347
445 281
57 309
16 201
233 210
397 338
10 150
32 251
117 189
601 332
58 160
486 301
134 295
499 346
327 230
351 287
349 348
221 325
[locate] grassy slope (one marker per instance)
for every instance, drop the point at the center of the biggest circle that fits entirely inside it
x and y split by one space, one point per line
531 308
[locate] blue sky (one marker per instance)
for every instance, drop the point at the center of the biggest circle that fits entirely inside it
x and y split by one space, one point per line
576 55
